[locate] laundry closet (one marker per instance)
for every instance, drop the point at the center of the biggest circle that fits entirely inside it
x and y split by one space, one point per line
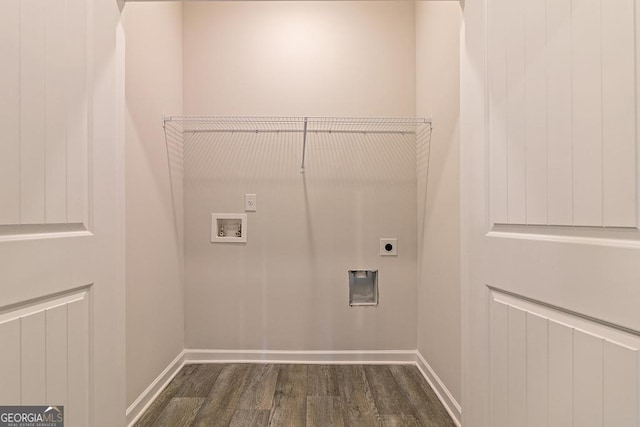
292 186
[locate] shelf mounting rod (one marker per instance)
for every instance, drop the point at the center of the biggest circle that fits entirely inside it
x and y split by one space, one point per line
304 144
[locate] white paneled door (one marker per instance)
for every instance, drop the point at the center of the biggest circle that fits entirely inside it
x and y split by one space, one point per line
61 210
550 213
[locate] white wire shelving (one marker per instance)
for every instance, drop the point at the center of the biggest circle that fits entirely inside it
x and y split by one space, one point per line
176 127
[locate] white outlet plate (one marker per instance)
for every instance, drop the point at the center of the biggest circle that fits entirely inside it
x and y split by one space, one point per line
250 203
389 246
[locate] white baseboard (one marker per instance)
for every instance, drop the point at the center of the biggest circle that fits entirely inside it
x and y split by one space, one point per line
303 357
450 404
137 408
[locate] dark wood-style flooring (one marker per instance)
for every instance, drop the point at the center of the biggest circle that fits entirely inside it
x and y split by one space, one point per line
296 395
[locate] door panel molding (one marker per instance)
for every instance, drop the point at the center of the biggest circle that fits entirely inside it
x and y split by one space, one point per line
560 366
563 114
40 337
45 166
603 236
10 233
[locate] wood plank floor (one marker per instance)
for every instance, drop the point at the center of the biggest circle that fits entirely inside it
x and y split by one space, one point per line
246 395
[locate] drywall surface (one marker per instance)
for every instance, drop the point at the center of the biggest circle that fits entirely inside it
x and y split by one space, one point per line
301 58
155 314
287 287
437 87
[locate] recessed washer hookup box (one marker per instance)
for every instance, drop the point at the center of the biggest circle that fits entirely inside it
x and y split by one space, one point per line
228 228
363 287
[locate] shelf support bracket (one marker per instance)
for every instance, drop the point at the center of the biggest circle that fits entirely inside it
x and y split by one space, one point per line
304 144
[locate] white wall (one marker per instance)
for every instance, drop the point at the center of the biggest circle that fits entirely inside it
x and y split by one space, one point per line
300 58
437 85
287 287
155 311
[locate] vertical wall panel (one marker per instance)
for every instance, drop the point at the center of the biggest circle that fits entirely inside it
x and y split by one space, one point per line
517 367
55 117
10 378
587 112
559 113
499 365
537 371
620 385
498 110
56 345
516 169
560 375
78 377
32 111
9 112
76 110
588 381
33 365
536 117
619 114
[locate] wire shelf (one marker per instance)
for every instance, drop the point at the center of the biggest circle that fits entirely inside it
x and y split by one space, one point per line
194 124
176 127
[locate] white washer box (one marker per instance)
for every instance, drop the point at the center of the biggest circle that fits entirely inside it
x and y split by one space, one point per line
228 228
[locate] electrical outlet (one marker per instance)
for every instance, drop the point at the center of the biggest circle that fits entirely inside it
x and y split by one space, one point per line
389 247
250 203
